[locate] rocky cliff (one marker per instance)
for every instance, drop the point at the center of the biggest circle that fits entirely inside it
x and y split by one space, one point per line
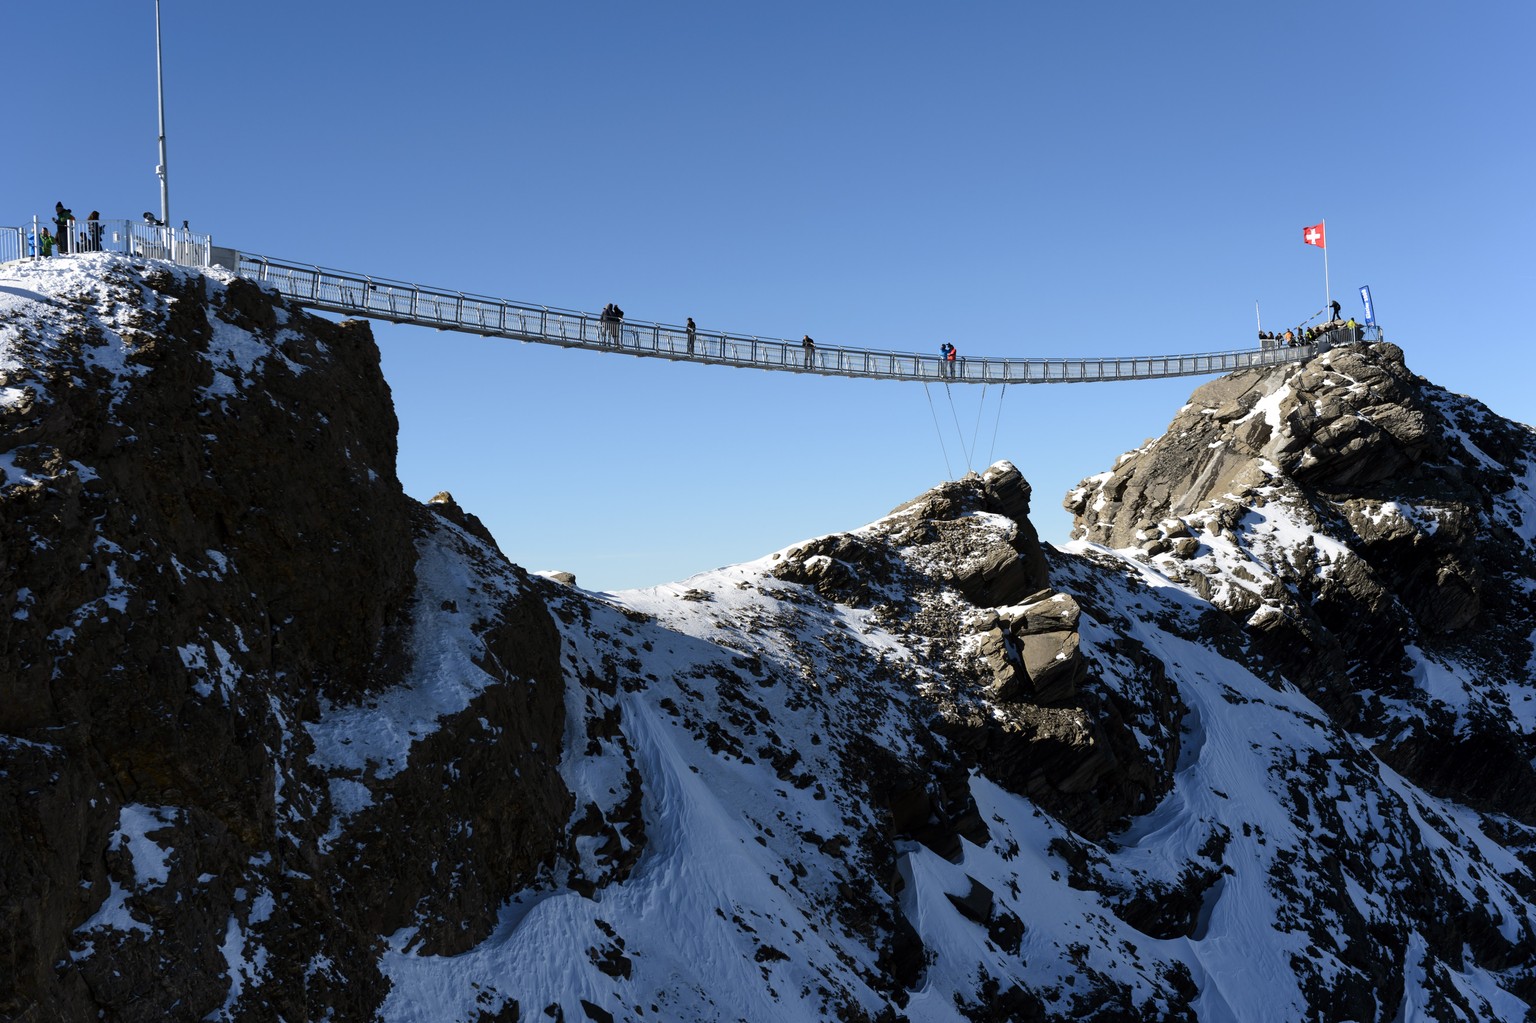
281 743
1373 533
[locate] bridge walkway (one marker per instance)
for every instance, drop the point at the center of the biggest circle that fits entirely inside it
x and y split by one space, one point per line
354 294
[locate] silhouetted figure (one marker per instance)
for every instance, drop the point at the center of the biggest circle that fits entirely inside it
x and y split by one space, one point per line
1334 305
93 232
810 350
692 330
610 322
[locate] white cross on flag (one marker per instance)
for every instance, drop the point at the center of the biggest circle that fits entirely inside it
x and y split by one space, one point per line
1313 235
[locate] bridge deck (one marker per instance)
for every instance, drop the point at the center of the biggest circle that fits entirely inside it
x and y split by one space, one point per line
399 302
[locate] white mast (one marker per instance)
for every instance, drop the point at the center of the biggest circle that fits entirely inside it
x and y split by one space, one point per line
165 188
1327 291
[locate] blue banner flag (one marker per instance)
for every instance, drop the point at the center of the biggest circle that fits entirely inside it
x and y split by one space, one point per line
1370 310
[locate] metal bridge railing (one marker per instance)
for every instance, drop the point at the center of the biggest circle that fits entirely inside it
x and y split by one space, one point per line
129 237
403 302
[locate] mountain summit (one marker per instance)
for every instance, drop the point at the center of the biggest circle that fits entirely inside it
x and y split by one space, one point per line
280 743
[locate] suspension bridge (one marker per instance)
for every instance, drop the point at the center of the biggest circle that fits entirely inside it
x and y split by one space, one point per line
363 295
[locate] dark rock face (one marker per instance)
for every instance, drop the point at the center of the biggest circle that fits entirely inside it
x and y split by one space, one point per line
1358 520
202 543
1017 707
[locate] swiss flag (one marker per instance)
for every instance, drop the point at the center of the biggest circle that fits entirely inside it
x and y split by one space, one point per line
1313 235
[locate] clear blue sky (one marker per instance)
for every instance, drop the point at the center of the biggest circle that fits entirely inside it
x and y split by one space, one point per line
1019 179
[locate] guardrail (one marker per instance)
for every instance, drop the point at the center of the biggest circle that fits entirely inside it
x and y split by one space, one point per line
129 237
403 302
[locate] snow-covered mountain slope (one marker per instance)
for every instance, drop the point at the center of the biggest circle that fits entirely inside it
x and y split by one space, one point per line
294 747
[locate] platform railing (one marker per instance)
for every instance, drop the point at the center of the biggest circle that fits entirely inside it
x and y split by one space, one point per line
128 237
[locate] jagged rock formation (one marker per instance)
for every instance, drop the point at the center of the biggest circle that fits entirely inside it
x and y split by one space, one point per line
1370 531
203 548
281 743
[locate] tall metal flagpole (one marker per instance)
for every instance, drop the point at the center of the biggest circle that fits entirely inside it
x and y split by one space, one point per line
1327 291
165 188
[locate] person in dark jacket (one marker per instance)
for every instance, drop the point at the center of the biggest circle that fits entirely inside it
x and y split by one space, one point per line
1334 305
692 331
810 350
62 218
93 231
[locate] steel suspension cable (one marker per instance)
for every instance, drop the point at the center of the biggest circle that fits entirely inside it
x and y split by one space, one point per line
959 430
976 430
948 469
1000 396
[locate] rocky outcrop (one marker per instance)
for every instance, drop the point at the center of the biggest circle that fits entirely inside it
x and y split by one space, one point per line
1022 715
203 545
1343 511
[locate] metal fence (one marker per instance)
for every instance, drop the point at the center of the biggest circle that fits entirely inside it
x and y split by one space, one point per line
130 237
403 302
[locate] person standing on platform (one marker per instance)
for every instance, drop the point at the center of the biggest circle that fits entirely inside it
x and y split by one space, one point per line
62 219
810 351
692 332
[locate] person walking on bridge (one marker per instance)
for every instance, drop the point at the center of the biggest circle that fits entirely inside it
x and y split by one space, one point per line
810 349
